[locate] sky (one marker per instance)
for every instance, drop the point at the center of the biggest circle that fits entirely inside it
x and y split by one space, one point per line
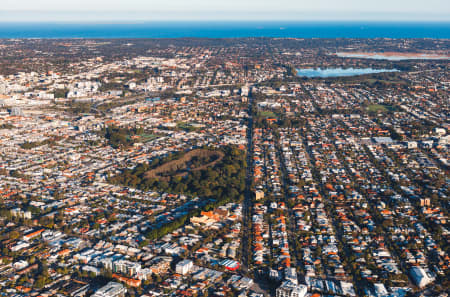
201 10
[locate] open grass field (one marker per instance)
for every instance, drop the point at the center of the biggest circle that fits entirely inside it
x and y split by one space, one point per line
267 114
380 108
204 158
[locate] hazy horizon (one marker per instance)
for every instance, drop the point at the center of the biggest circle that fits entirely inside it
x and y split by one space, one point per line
231 10
132 21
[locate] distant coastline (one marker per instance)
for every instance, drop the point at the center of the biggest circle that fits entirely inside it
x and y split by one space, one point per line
394 56
232 29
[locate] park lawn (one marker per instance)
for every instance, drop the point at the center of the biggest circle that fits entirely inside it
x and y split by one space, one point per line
148 137
266 114
380 108
186 127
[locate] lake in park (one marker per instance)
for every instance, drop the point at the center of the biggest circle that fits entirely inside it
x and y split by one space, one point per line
339 72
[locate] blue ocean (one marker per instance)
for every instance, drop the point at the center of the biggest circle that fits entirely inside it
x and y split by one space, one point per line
227 30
